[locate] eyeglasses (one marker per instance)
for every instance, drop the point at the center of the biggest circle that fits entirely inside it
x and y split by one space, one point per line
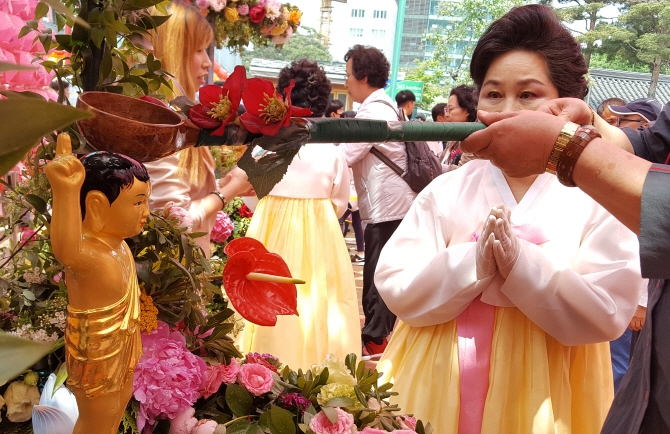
640 121
447 110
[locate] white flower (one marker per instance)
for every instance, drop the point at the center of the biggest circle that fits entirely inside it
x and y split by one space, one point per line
272 10
337 371
33 276
21 399
217 5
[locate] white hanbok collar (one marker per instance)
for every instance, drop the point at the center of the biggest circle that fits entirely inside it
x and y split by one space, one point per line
519 209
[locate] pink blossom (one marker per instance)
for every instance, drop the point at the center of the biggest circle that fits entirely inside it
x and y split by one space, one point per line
168 377
218 374
218 5
255 378
405 431
222 229
178 213
368 430
184 422
202 4
320 424
283 38
243 9
406 422
205 426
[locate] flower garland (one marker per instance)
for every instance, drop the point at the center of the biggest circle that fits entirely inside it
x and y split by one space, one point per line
240 22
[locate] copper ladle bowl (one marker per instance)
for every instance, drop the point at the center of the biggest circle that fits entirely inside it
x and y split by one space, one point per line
129 126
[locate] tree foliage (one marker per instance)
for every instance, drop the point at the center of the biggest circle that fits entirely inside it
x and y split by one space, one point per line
301 45
587 12
643 30
468 19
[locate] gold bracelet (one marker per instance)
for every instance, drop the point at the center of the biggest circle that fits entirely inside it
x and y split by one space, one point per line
567 132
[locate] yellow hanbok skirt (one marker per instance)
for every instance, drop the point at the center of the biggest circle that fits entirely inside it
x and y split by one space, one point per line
536 384
307 234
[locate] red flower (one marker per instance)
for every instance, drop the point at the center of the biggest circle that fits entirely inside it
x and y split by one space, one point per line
245 211
153 100
263 362
258 302
257 13
267 112
218 105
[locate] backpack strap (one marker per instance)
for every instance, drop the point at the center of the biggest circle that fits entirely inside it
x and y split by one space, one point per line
386 160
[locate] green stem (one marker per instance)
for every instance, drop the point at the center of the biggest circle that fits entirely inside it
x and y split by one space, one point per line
239 418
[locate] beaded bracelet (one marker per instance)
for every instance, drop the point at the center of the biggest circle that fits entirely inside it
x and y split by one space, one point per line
222 197
568 158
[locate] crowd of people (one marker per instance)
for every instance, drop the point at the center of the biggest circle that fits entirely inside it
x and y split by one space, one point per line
498 299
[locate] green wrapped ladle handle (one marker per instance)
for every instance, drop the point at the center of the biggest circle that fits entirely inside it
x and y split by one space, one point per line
333 130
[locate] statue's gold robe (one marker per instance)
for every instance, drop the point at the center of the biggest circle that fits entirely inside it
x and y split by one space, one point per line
103 345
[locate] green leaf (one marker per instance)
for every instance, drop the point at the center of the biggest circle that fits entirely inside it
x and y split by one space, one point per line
24 121
9 160
350 361
282 421
331 413
97 36
60 21
41 10
239 400
254 429
24 31
360 371
387 426
18 354
46 40
341 401
360 396
238 427
64 40
63 9
37 202
61 377
265 173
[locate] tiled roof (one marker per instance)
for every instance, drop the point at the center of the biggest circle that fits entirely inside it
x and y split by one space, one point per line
629 86
335 71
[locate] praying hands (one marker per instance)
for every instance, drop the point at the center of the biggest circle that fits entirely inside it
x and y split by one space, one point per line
498 246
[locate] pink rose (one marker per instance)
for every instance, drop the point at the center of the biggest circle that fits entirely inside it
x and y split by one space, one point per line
255 378
283 38
404 431
218 5
205 426
243 9
184 423
320 424
218 374
202 4
257 13
406 422
368 430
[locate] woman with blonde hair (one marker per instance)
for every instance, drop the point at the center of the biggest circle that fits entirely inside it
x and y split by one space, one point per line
186 179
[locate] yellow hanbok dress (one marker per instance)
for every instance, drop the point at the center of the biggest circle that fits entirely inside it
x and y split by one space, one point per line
549 368
299 221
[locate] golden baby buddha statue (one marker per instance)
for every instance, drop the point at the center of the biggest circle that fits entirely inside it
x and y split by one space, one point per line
97 203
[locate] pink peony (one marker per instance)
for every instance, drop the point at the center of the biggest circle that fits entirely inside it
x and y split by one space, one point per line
205 426
168 377
368 430
202 4
178 213
409 422
217 374
184 422
243 9
222 228
255 378
320 424
283 38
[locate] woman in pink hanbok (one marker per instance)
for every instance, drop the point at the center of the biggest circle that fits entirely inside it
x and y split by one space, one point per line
509 289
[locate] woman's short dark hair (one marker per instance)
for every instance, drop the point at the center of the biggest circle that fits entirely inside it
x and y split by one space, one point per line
312 88
333 106
369 62
404 96
349 114
468 98
537 29
109 173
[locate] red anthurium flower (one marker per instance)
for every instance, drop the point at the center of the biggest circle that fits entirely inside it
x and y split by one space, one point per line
153 100
267 112
258 302
218 105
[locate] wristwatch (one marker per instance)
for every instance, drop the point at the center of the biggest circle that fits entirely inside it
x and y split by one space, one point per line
567 132
222 197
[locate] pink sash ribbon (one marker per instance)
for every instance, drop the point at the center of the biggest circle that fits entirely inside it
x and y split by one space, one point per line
474 327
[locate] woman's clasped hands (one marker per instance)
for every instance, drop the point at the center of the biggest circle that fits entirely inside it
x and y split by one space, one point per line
498 247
